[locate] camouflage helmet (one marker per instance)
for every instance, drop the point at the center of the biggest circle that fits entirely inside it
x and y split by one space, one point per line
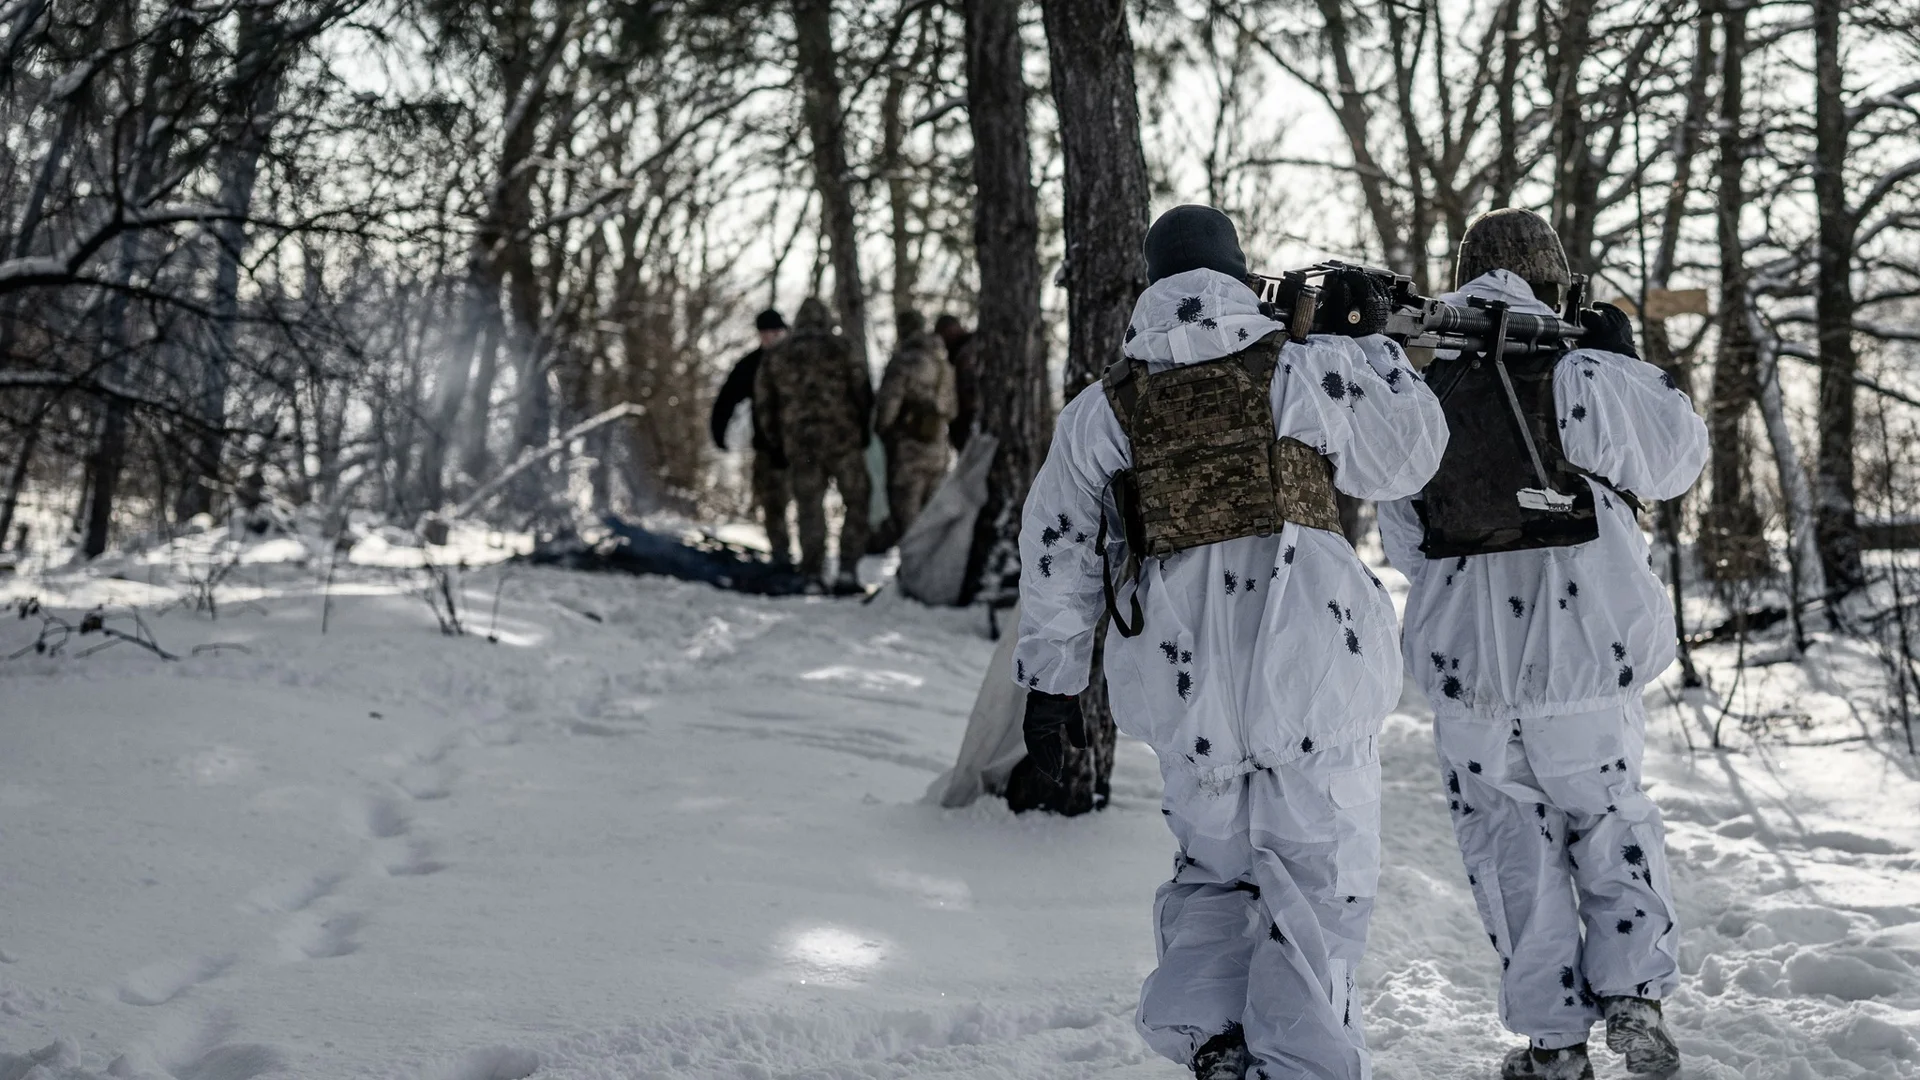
813 317
1520 241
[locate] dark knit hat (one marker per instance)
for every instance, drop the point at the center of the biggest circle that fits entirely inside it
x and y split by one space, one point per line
1194 238
769 320
1513 239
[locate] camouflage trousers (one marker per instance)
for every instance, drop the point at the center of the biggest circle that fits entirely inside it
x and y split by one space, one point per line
810 475
772 493
914 470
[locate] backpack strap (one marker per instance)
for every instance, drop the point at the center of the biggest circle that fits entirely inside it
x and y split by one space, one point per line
1106 584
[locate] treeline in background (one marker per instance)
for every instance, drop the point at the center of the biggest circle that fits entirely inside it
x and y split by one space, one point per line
359 259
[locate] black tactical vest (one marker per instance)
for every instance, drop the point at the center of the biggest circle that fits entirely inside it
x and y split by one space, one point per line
1488 494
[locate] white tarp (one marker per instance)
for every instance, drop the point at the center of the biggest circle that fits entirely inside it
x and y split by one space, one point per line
933 553
993 744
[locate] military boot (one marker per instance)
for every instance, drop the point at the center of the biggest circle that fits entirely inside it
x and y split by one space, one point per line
1223 1057
1637 1032
1527 1063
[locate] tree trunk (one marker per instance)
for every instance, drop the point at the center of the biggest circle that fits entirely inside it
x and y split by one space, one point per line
1009 346
1839 527
1091 53
1804 577
259 92
1730 535
1576 180
893 164
1506 174
826 130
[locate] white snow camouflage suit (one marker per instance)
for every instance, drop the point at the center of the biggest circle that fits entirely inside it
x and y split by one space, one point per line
1261 678
1535 661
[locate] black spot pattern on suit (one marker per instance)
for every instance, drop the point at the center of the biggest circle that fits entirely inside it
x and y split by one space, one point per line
1209 324
1049 536
1353 642
1186 657
1578 412
1453 782
1183 684
1624 926
1356 391
1473 767
1518 605
1619 651
1046 566
1626 675
1201 746
1274 934
1132 333
1540 810
1566 978
1451 687
1232 580
1439 661
1334 385
1287 555
1666 380
1620 763
1306 745
1573 588
1334 606
1065 523
1170 650
1240 334
1190 309
1020 671
1393 379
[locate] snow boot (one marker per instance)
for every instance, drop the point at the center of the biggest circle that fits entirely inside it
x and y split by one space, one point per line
1223 1057
1526 1063
848 585
1637 1032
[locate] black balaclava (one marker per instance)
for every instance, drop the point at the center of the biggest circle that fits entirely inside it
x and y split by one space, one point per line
1194 238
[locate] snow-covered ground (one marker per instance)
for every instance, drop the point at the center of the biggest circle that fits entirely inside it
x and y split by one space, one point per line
656 829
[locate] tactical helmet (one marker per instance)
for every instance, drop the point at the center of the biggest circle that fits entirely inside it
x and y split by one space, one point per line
769 320
909 324
1520 241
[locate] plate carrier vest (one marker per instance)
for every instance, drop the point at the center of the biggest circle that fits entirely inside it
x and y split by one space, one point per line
1207 466
1488 495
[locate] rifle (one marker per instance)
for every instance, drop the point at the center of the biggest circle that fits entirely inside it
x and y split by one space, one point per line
1421 324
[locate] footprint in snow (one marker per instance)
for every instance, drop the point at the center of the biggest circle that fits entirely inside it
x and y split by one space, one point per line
426 782
311 937
381 817
490 1063
296 892
415 861
159 983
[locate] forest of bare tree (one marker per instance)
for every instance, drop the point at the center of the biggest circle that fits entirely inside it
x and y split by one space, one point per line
353 260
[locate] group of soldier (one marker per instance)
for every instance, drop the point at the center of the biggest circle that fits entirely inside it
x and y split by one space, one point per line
1261 654
814 413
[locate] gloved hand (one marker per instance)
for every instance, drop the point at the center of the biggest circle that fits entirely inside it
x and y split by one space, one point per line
1607 330
1049 716
1353 303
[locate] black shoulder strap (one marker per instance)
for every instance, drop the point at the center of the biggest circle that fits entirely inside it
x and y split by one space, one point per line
1122 384
1106 584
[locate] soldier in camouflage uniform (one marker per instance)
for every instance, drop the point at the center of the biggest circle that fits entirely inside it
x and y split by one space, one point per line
818 403
915 405
1260 661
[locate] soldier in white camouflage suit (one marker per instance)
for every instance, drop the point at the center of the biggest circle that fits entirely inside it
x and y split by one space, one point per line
911 415
816 405
1263 664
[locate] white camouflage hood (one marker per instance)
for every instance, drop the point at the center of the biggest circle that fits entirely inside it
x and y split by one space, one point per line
1193 317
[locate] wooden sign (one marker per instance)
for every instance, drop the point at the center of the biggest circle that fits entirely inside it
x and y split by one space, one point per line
1666 303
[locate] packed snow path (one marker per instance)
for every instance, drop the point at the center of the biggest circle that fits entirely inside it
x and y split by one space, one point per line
662 830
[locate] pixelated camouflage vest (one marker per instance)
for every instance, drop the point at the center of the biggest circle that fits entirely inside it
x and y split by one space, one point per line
1206 464
1487 495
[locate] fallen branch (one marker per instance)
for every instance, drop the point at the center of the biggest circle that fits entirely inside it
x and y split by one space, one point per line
534 455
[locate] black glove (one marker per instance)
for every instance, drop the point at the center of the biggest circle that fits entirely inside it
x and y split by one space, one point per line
1048 717
1353 303
1607 330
